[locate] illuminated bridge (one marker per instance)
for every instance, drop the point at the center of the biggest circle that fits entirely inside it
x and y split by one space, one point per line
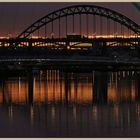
76 33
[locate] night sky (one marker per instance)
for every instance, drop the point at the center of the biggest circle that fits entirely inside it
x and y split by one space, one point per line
15 17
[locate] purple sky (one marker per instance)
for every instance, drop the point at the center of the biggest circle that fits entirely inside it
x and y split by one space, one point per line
15 17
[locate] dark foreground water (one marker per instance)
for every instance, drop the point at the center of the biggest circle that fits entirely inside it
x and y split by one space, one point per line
52 103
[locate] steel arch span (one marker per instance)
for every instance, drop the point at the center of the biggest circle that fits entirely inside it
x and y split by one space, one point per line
81 9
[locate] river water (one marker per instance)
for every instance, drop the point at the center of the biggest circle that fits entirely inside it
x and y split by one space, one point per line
54 103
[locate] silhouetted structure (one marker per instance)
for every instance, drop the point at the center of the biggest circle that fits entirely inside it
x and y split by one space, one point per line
30 86
100 87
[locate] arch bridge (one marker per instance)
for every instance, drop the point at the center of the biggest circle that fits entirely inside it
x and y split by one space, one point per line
78 27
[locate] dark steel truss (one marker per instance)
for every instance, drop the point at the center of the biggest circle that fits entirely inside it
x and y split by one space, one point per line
81 9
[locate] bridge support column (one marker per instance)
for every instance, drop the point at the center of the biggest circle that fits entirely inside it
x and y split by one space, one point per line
3 84
30 87
67 87
138 43
11 44
30 44
29 48
99 87
138 49
67 45
98 48
138 89
104 47
93 44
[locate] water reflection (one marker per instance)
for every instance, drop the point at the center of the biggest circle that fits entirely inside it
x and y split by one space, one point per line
53 86
55 103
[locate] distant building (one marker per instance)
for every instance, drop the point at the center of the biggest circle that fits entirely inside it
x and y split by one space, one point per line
74 36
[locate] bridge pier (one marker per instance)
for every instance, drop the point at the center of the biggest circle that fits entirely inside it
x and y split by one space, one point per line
99 47
30 86
11 44
138 88
138 43
138 49
104 48
99 87
30 44
67 86
67 45
3 91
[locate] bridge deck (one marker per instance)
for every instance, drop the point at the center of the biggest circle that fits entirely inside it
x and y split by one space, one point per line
69 64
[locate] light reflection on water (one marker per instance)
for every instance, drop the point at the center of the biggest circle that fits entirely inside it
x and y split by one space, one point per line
52 103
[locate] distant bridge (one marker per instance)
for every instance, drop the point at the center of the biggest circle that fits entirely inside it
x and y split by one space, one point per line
68 43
